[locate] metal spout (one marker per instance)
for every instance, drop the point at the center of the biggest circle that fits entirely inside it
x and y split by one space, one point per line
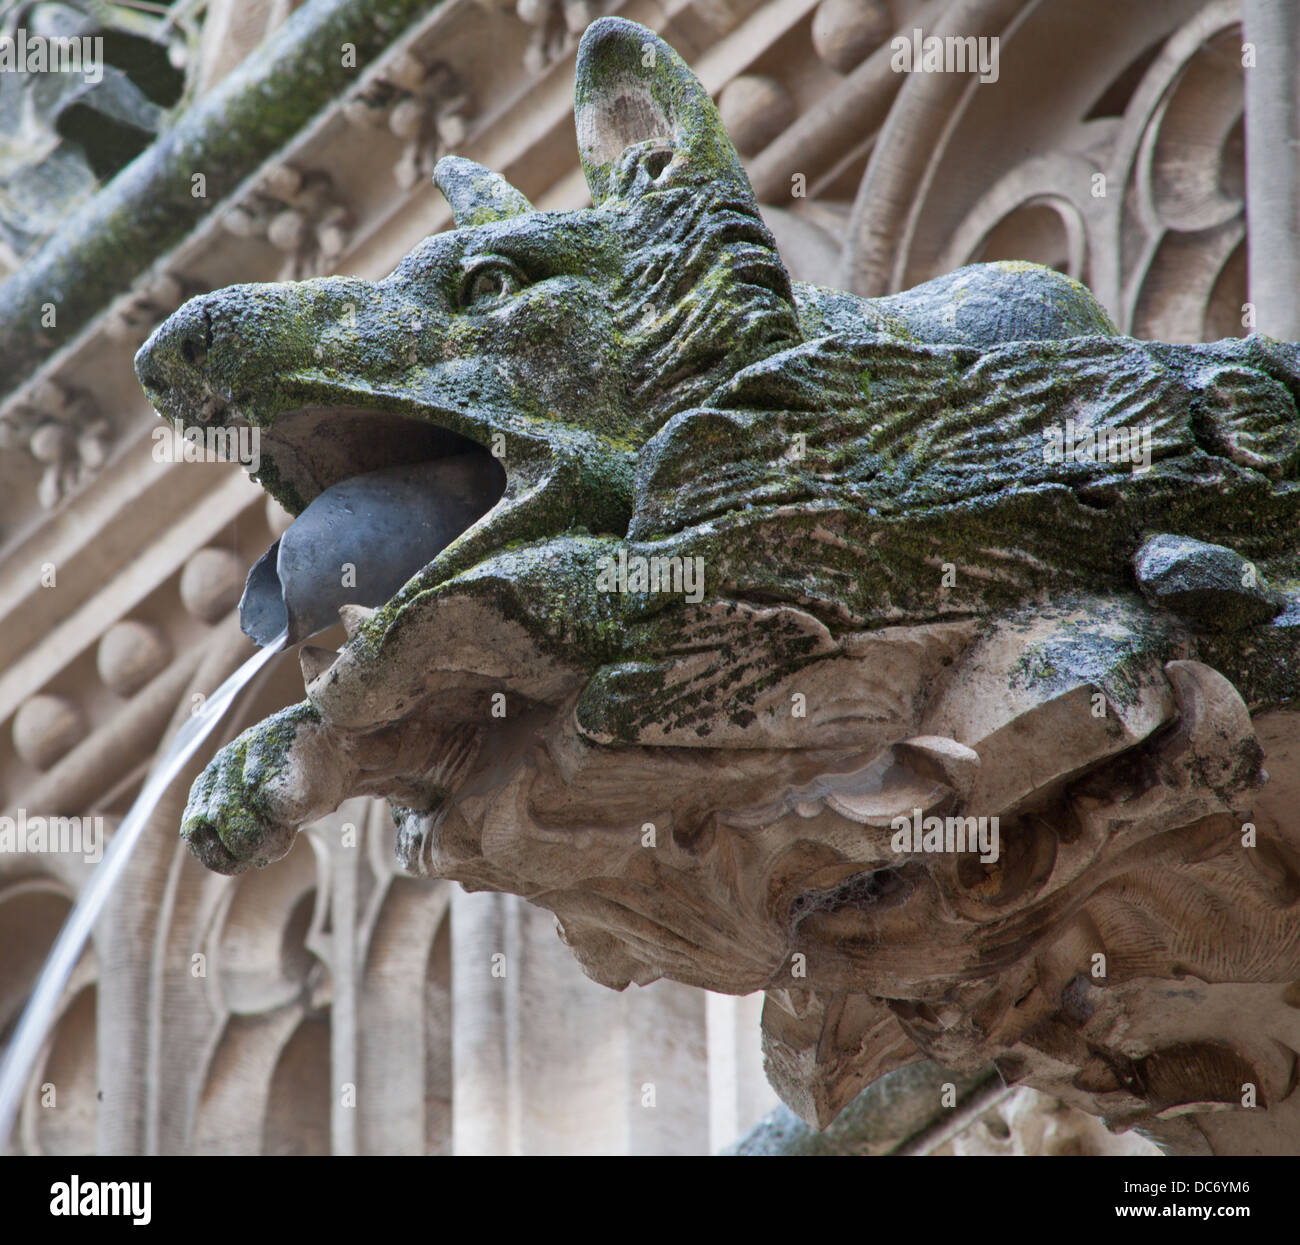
361 539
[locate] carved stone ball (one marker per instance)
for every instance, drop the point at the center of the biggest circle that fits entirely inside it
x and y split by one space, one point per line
407 118
534 12
130 654
211 584
51 442
846 32
46 727
755 110
287 230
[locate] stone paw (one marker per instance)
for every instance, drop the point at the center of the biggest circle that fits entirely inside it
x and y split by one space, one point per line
236 816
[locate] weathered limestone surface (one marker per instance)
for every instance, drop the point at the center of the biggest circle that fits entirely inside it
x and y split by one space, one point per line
917 599
1114 147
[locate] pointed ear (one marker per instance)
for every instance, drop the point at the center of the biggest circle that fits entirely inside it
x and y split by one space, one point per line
643 118
477 195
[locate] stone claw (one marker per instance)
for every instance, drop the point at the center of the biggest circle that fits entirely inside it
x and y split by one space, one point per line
240 813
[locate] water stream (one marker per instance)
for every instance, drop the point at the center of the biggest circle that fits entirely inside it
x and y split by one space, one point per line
34 1026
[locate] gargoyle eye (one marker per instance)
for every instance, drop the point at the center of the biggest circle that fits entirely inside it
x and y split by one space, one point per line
489 283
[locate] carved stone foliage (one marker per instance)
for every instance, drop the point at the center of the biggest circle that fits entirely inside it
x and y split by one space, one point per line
134 315
300 214
64 432
1028 1123
427 106
923 1109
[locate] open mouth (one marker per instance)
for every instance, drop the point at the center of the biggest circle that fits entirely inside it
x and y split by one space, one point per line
369 465
379 497
312 449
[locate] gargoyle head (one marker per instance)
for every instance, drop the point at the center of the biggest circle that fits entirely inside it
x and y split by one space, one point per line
799 654
557 341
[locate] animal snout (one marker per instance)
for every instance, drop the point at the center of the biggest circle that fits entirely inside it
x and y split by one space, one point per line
175 356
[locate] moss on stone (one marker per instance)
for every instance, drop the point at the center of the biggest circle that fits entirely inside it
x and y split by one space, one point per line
151 206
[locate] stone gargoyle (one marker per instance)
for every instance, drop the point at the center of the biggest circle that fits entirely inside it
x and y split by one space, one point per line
786 591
